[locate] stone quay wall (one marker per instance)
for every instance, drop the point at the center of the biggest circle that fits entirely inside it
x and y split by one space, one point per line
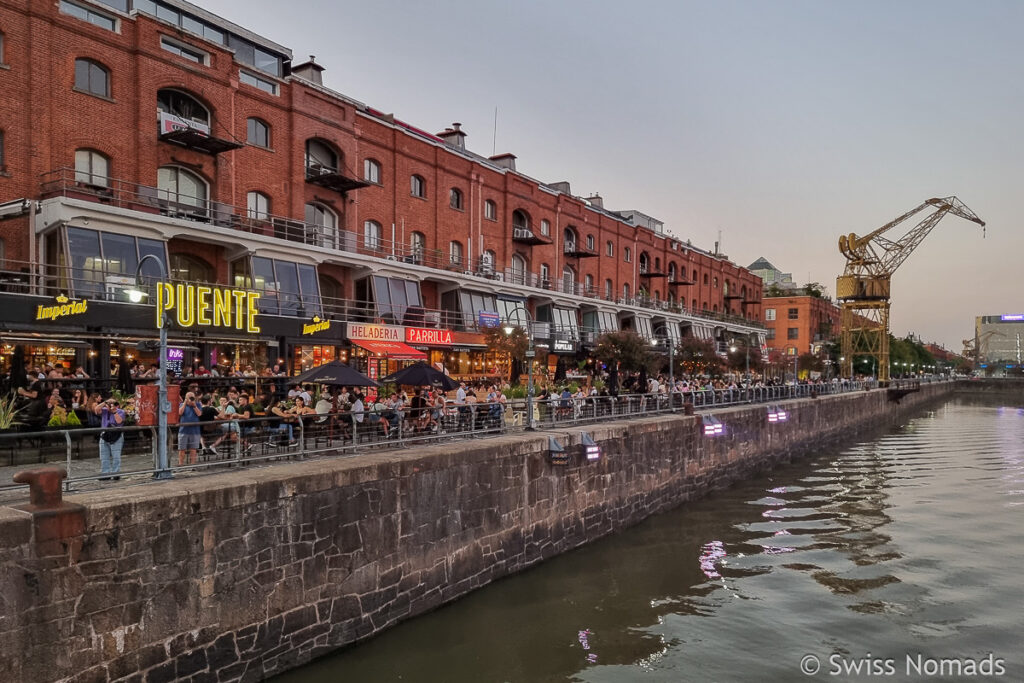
241 575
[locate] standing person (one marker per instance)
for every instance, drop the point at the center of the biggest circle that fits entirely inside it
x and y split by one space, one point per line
111 439
245 414
188 432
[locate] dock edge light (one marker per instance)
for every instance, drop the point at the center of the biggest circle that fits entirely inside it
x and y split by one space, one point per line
591 451
777 414
712 426
557 453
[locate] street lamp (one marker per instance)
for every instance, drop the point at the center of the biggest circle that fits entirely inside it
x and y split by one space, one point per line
530 353
671 369
163 406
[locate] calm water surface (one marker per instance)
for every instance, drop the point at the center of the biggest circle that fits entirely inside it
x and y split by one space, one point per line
912 542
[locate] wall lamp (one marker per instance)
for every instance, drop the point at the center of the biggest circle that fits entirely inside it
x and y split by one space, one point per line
591 451
557 453
777 414
713 426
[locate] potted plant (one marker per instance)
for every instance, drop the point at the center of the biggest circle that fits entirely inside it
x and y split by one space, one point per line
9 414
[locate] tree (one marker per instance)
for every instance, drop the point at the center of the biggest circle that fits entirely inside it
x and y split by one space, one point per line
697 356
627 348
737 360
513 345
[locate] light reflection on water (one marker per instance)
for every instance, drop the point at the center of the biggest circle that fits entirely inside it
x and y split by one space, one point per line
910 542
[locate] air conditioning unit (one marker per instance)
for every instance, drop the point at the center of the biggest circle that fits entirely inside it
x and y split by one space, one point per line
432 318
468 272
498 276
391 257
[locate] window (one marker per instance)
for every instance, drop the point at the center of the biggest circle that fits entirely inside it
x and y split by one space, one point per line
1 151
769 314
264 84
518 269
671 272
91 168
184 107
455 252
625 290
418 245
645 262
794 314
182 187
258 132
93 255
257 205
455 199
568 280
793 333
371 171
398 301
705 281
769 333
569 237
545 227
627 255
590 242
609 248
88 14
491 210
371 235
608 289
320 158
588 283
92 78
191 269
545 275
1 47
325 224
184 51
286 288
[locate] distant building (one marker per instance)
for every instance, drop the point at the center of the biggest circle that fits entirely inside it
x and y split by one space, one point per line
772 276
999 339
800 323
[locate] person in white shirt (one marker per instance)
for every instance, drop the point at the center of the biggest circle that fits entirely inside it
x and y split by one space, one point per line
357 408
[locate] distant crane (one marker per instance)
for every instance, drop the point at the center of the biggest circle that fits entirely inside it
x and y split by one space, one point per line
977 348
863 288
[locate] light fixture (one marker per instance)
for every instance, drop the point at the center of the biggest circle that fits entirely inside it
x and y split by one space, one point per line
508 329
712 426
591 451
557 453
135 295
777 414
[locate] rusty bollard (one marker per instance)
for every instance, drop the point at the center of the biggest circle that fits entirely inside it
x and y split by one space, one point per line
688 408
59 525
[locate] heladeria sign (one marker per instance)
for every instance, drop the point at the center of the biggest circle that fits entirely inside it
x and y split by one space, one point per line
205 306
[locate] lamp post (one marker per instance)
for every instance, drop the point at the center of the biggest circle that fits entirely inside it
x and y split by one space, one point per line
530 353
163 406
671 371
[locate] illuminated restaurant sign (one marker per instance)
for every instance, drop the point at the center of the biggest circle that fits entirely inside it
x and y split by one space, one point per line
427 336
205 306
62 308
317 325
1014 316
374 332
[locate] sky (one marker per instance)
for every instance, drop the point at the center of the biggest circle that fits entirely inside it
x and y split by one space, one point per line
780 124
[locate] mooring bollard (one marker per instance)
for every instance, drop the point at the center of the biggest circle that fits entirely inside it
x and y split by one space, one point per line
688 408
44 485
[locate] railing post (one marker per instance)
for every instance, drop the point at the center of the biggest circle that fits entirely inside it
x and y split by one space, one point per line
67 439
302 437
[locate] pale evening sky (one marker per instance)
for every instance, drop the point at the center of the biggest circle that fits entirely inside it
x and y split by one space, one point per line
782 124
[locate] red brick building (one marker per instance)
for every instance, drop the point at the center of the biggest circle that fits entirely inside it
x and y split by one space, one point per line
130 127
799 324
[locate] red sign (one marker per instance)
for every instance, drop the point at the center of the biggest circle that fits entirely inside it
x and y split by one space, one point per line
427 336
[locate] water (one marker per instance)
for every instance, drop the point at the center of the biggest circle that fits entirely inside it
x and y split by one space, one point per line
911 543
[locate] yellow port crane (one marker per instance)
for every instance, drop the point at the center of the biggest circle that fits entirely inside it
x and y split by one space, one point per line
863 288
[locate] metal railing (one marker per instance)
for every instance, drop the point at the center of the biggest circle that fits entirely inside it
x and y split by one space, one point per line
281 437
372 242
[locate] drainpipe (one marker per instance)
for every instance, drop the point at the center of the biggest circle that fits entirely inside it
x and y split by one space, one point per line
33 209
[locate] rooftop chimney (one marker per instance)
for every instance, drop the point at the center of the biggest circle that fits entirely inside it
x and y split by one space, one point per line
454 136
562 187
309 71
596 200
505 161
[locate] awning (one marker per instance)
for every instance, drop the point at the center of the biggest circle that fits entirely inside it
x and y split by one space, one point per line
396 350
705 332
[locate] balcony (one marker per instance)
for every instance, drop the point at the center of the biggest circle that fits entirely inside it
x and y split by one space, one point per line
650 272
191 135
576 250
678 282
332 179
523 235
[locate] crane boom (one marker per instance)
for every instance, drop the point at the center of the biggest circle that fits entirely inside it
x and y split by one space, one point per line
864 286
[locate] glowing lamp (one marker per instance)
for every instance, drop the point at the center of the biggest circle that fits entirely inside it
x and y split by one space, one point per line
591 451
713 426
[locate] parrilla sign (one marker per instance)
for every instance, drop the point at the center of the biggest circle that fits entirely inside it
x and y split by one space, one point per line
62 308
427 336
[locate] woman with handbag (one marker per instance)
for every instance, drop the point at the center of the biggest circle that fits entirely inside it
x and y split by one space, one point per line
111 438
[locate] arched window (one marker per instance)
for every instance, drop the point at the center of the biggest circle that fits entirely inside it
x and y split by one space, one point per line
568 280
257 132
91 168
320 157
545 275
324 223
609 248
455 253
645 262
705 282
520 220
490 210
608 290
588 283
625 290
418 243
184 107
371 235
518 269
672 298
693 306
671 272
92 77
181 187
371 171
257 205
189 268
569 237
2 150
657 264
455 198
418 187
627 254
